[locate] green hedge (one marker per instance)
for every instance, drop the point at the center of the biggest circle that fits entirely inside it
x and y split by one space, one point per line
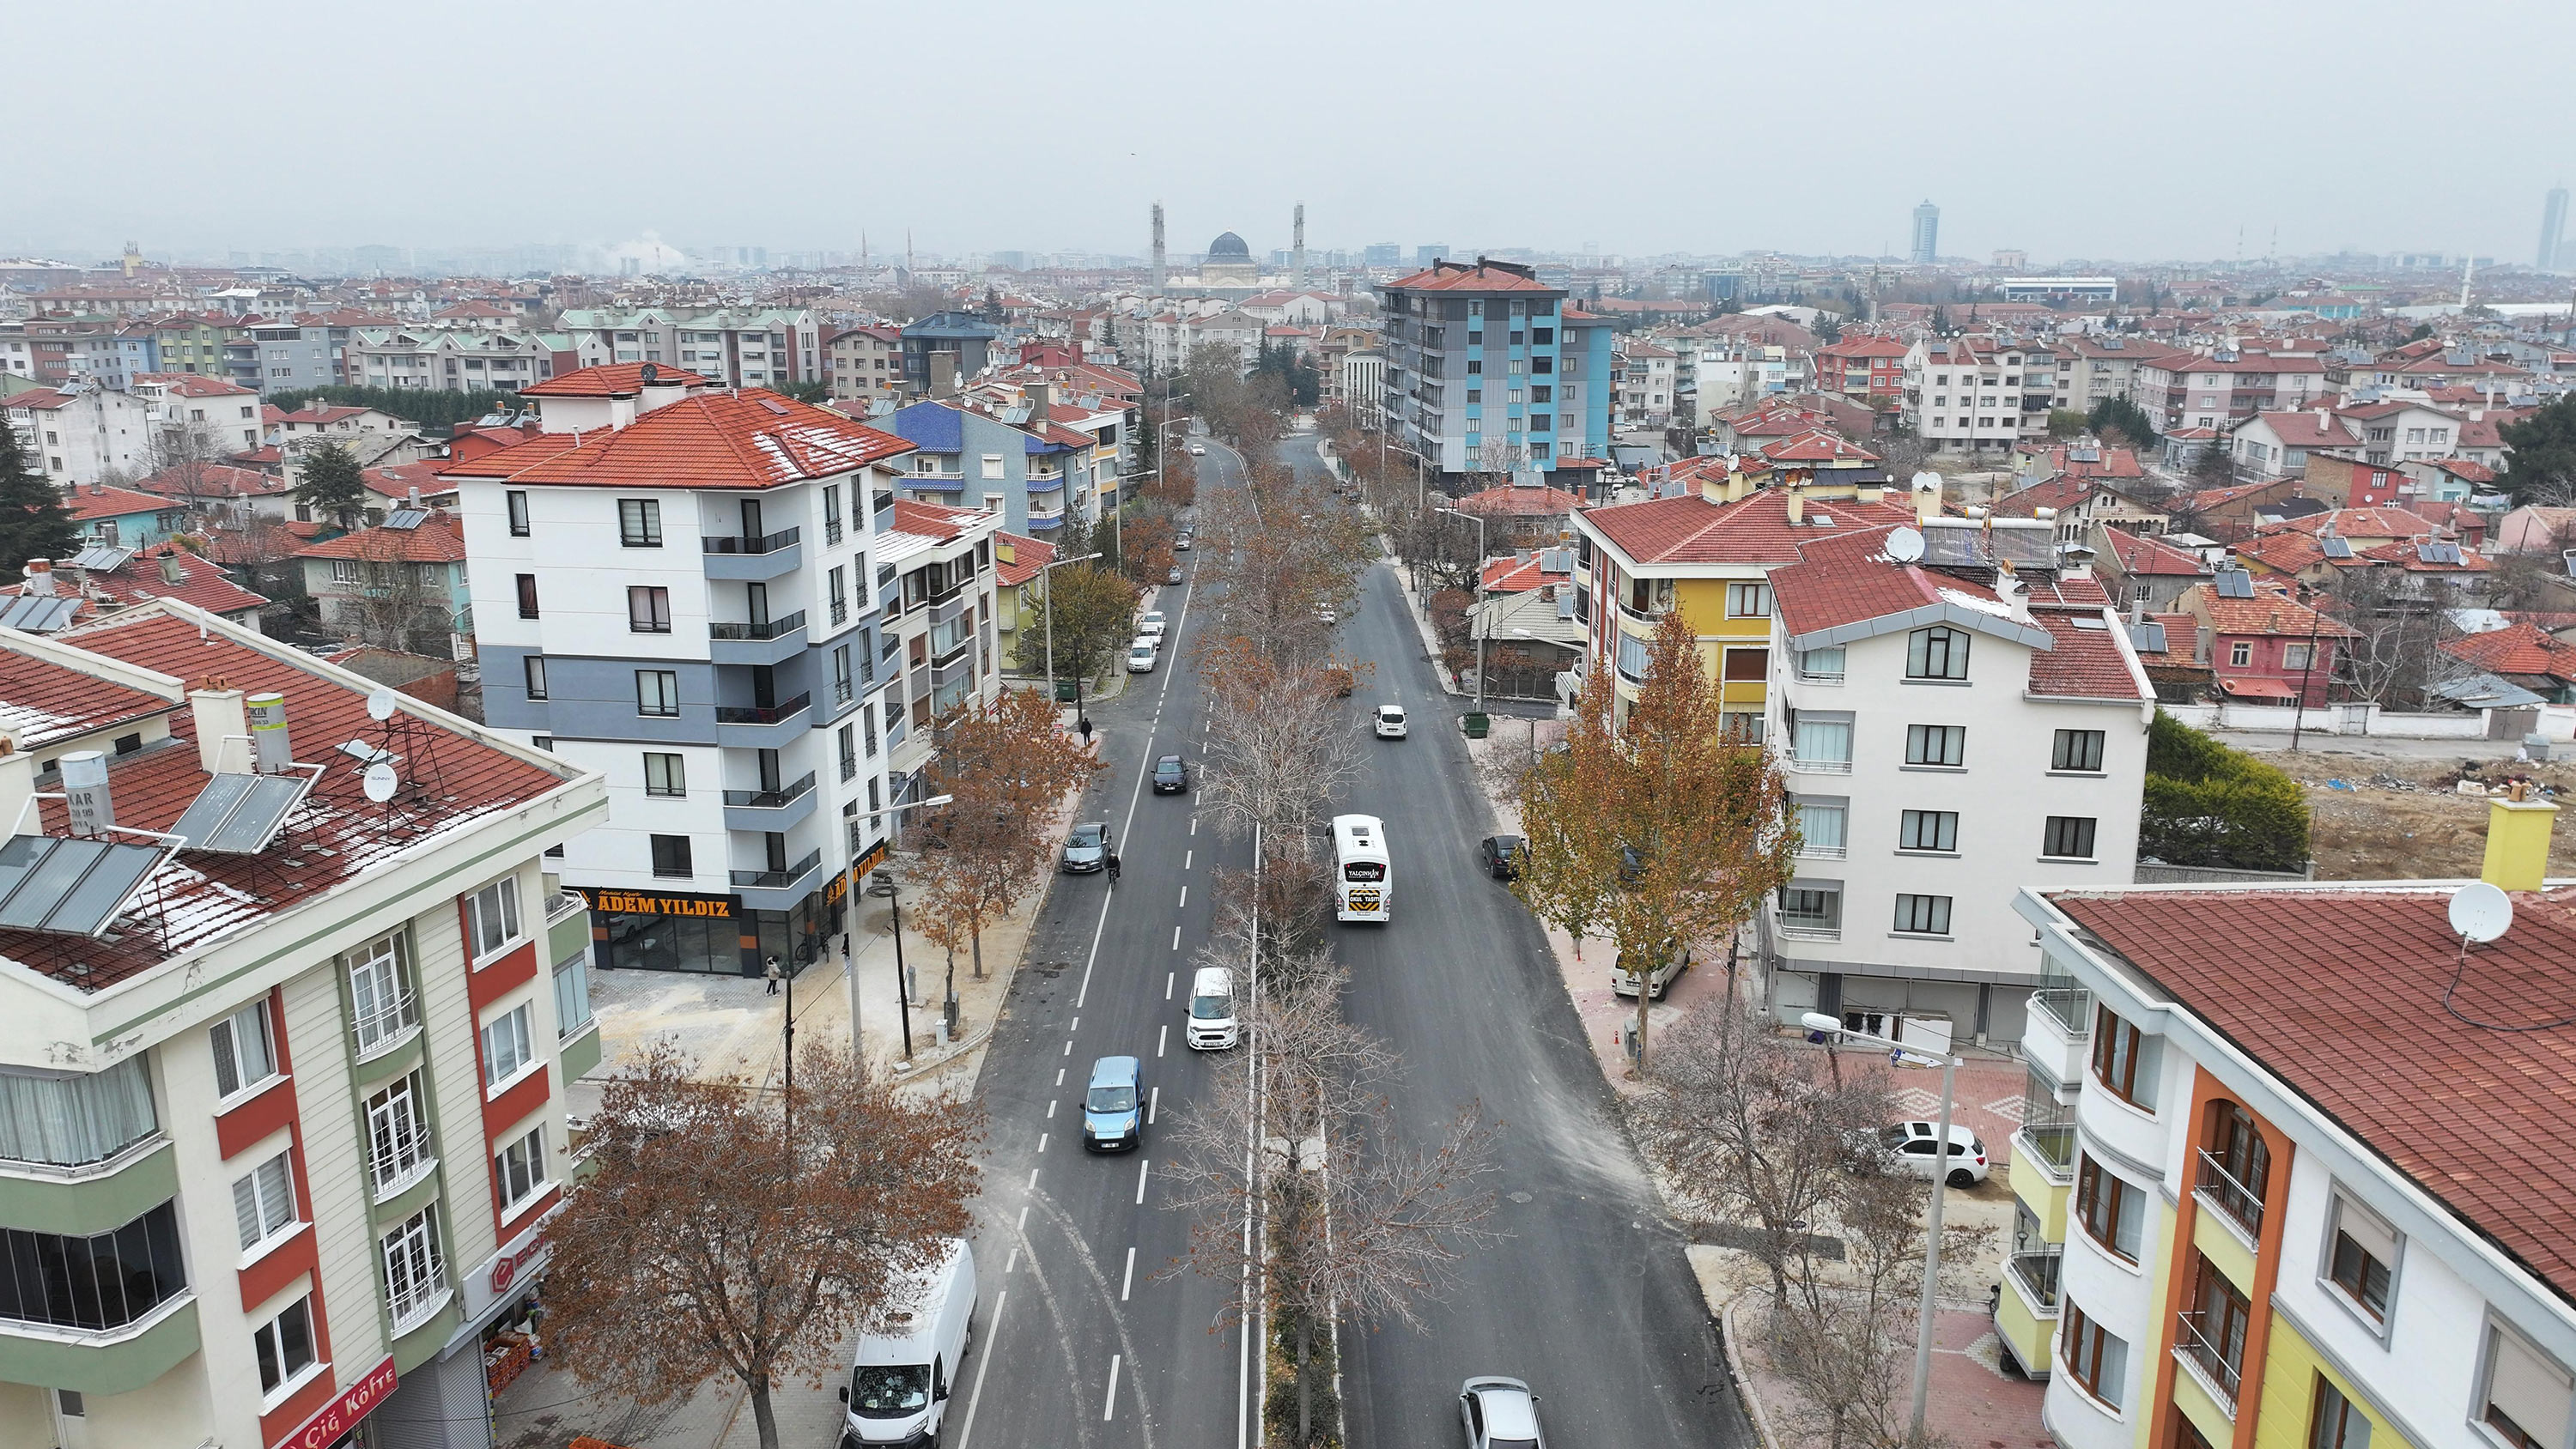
427 406
2207 804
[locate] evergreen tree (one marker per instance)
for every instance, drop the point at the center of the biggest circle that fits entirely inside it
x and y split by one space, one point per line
34 523
2542 464
330 488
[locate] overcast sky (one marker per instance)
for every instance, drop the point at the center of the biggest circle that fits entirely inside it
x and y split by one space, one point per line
2065 129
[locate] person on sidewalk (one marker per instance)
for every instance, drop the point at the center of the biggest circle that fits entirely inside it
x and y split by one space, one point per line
1086 729
769 968
1113 867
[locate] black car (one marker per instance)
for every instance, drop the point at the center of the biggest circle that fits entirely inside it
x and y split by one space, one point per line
1501 855
1171 776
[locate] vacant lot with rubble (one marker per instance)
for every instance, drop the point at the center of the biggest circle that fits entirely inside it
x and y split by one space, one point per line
2381 817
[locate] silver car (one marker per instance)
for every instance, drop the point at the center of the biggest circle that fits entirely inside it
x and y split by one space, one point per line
1500 1413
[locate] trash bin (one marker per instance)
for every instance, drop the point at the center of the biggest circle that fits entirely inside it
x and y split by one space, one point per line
1477 723
1067 690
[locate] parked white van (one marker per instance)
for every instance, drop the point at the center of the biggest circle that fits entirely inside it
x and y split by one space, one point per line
1212 1023
906 1367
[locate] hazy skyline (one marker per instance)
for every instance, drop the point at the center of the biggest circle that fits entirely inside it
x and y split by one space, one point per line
1645 128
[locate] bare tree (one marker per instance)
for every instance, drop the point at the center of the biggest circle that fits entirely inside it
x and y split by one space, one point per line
2387 637
184 453
1009 769
1280 745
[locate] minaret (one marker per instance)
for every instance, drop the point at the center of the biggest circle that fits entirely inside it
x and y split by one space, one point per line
1154 278
1298 266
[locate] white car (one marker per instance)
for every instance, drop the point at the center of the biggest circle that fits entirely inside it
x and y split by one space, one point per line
1390 721
1151 628
1909 1148
1198 450
1212 1025
1141 657
1328 616
1500 1413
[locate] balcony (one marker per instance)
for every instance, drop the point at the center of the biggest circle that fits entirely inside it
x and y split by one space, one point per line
763 727
773 642
2035 1274
2240 1204
767 810
754 560
387 1026
1046 482
778 890
562 904
2050 1146
2056 1030
2205 1360
1800 765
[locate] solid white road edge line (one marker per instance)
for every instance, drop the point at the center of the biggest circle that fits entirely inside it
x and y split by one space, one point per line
992 1331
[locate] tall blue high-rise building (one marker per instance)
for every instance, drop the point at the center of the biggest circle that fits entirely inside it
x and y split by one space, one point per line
1927 235
2553 228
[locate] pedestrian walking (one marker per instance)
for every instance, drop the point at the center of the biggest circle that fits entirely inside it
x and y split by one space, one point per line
1086 729
770 969
1113 865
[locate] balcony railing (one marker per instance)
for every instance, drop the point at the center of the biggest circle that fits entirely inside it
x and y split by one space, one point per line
564 903
780 879
780 627
2036 1271
2051 1145
760 714
1819 676
2070 1006
2229 1196
2194 1348
766 543
770 799
1802 765
379 1030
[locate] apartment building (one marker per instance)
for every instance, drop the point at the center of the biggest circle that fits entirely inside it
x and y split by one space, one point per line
79 433
865 364
1958 712
2318 1203
1861 366
188 409
941 585
1977 394
285 1053
1646 384
1463 397
737 346
456 359
2220 389
682 587
971 453
2093 370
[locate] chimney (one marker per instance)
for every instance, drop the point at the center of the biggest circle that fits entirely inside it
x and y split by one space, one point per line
2010 589
40 577
411 497
2517 841
1797 504
17 785
170 571
85 794
1927 497
1869 493
943 374
223 727
1041 397
268 732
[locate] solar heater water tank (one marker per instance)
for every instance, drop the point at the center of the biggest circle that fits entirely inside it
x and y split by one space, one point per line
85 793
271 748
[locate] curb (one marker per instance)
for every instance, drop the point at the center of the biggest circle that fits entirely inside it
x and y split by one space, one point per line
1745 1393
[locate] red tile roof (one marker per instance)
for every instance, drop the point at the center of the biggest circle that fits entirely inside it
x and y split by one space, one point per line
2141 553
439 539
1463 277
615 379
1815 445
1027 557
2181 651
2270 612
1753 529
934 520
516 451
37 400
196 384
212 480
100 501
1519 502
398 480
754 438
2362 523
1520 575
2348 1010
2517 648
41 701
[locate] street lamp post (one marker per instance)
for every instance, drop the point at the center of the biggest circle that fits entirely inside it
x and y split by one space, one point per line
1477 519
894 903
1817 1021
1048 587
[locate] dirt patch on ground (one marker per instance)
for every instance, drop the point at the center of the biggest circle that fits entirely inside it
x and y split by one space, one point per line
2380 817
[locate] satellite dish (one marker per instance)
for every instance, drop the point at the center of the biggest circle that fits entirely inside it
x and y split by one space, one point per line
1905 545
380 782
380 704
2481 912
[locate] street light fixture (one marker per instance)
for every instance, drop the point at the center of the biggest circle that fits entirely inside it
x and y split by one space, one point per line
894 903
1823 1025
1477 519
1048 587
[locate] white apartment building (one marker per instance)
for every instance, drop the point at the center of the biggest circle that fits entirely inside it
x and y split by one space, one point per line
225 415
1952 728
1977 395
1727 371
691 591
283 1063
2294 1174
453 359
735 346
79 433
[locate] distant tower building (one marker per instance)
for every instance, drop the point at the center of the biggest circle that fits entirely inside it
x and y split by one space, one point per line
1154 280
1297 246
1927 234
2553 228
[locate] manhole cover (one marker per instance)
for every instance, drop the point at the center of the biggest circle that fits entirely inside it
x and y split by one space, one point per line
1519 1197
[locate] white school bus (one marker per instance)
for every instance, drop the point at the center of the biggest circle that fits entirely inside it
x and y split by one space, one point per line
1363 880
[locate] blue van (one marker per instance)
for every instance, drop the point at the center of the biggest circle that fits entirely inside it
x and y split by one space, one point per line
1113 1107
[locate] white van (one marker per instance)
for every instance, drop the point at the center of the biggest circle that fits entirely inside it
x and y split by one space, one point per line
905 1371
1212 1023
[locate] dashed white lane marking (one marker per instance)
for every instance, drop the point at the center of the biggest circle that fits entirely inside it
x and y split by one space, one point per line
1176 938
1127 1280
1163 1039
966 1431
1077 1025
1171 982
1033 1179
1068 1048
1059 1076
1194 825
1186 857
1024 1219
1153 1104
1051 1109
1141 1167
1042 1137
1109 1410
1185 900
1008 1267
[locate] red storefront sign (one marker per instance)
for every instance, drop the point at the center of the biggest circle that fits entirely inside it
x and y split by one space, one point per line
505 1269
342 1414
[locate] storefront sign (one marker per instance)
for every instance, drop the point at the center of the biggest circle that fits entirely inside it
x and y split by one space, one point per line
509 1269
343 1413
647 903
835 888
874 856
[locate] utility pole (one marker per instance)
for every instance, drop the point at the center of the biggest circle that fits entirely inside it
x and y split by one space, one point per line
1048 586
1478 520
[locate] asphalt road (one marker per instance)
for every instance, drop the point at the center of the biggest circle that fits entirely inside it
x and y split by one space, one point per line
1589 1299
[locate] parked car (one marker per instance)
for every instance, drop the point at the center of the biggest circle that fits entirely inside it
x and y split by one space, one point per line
1181 543
1908 1146
1500 1413
1501 855
1173 576
1087 848
1212 1026
1328 616
1140 657
904 1372
1113 1106
1390 721
1171 776
1151 627
1623 977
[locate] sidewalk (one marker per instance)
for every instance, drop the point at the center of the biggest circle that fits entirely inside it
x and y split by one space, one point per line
1974 1400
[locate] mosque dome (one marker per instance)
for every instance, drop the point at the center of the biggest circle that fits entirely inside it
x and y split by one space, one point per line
1228 248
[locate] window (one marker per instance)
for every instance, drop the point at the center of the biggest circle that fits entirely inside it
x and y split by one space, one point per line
1927 830
2079 751
572 992
507 1045
284 1345
397 1136
671 857
1741 665
868 727
527 596
1811 908
648 610
2363 1259
2068 837
665 775
1821 666
849 742
1748 601
1923 915
1944 745
1939 652
1821 742
264 1202
106 1280
992 465
2526 1394
2124 1058
2111 1209
492 915
535 665
842 689
519 1169
243 1054
657 693
414 1270
832 512
1740 726
840 592
639 523
2097 1360
2298 656
1820 827
2240 654
380 995
2337 1425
